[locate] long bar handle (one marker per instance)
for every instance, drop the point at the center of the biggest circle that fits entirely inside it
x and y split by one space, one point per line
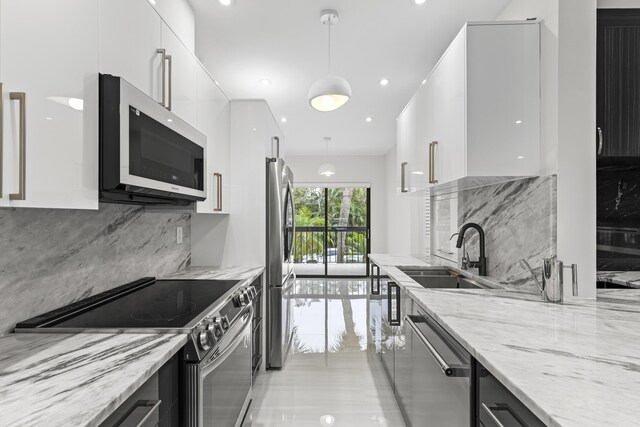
1 136
600 140
375 290
277 141
218 179
170 60
403 179
490 411
393 321
430 168
163 53
448 371
432 165
22 98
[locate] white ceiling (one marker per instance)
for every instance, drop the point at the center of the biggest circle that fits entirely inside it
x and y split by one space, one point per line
284 41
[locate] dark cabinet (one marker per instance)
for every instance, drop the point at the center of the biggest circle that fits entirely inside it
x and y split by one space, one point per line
618 83
498 407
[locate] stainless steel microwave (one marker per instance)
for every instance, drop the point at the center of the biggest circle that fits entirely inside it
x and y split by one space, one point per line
148 155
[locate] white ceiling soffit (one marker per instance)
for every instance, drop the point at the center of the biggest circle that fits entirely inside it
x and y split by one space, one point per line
284 41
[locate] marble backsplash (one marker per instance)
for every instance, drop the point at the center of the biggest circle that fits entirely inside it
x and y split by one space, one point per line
519 220
53 257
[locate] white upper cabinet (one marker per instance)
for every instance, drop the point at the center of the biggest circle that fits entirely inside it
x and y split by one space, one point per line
213 115
180 82
49 105
478 112
130 36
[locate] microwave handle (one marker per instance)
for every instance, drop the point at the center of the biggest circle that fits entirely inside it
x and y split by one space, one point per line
170 59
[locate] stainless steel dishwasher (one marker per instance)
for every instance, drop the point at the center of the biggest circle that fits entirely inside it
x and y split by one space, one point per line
440 379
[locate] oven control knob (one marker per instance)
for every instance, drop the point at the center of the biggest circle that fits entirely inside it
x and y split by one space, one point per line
242 299
224 322
217 327
247 297
205 340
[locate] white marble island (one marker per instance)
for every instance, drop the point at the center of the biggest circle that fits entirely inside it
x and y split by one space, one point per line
575 364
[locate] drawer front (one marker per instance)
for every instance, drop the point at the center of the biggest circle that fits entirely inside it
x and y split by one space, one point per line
498 407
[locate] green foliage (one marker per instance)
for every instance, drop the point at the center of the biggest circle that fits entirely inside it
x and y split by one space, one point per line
310 206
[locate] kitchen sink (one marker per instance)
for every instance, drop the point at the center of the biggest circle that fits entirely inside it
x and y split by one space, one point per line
445 282
417 271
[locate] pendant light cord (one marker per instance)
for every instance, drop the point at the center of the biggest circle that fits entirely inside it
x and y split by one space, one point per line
329 50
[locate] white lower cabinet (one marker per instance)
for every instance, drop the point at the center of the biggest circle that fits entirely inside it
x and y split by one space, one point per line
213 118
478 112
49 106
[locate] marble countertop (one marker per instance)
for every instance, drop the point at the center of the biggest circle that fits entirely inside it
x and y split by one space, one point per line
573 364
630 279
80 379
75 379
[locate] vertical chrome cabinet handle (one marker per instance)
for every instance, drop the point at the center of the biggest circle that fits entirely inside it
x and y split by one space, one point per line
434 145
218 179
1 137
600 141
393 321
403 173
430 170
22 98
170 59
375 290
163 53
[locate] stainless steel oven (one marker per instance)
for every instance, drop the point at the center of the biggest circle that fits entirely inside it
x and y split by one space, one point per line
218 388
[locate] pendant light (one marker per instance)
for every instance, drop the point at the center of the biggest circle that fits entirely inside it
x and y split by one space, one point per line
327 169
330 92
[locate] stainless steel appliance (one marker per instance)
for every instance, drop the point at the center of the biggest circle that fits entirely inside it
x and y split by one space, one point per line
148 155
438 375
279 266
215 314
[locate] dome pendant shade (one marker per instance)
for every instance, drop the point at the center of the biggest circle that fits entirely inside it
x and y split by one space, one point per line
329 93
327 169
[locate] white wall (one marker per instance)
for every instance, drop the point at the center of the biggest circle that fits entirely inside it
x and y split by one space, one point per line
366 170
398 210
568 122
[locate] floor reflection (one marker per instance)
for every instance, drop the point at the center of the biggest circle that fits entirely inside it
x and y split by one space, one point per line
329 378
329 316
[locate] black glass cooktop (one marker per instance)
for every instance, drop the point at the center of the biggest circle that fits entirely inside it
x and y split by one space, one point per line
162 304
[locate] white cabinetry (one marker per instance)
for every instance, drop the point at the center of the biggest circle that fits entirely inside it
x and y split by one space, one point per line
49 72
181 77
213 119
130 35
477 113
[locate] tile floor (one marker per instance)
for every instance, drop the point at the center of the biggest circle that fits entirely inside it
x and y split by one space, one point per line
330 379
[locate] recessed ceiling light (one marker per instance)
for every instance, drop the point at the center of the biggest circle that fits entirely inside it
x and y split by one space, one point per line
170 120
384 82
153 2
520 157
518 122
424 81
227 2
265 82
369 119
419 1
254 129
283 120
49 118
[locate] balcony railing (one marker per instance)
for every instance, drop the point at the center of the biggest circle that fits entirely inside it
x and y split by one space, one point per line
315 244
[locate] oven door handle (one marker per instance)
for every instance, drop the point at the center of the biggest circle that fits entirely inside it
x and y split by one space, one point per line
208 368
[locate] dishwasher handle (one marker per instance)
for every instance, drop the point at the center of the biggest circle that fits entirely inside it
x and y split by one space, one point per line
450 370
491 409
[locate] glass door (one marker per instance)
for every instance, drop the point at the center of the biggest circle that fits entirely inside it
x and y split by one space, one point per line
332 231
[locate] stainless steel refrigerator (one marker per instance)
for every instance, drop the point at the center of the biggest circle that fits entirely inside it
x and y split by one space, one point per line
280 276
